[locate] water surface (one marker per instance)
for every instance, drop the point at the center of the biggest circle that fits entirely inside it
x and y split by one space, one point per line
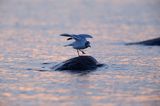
29 37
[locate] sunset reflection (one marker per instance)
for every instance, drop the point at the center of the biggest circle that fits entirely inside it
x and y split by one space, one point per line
30 46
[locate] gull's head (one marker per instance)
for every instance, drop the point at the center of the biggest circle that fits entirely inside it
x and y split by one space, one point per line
87 44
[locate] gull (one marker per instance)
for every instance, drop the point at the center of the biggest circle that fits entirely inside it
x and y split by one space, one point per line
80 42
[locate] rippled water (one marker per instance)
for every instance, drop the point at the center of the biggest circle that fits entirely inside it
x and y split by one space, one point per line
29 37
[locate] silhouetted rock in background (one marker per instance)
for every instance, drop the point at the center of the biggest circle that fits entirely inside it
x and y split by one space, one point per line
151 42
78 63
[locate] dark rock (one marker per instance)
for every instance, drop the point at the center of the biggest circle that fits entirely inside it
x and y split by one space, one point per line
151 42
78 63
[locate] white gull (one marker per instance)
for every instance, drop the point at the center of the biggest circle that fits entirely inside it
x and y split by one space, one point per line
80 42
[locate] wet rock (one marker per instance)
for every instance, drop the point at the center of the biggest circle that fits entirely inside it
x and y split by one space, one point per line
151 42
78 63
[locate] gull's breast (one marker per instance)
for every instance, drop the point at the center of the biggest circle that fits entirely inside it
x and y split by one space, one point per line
79 45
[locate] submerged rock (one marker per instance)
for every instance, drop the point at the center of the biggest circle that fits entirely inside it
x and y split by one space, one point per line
151 42
78 63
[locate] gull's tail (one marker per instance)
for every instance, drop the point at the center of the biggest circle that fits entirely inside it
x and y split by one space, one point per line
68 45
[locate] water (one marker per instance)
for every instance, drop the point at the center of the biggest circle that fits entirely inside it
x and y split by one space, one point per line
29 37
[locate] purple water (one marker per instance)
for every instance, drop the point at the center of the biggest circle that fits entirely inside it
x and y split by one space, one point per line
29 36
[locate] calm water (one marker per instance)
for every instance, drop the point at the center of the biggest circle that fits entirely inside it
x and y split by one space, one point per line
29 36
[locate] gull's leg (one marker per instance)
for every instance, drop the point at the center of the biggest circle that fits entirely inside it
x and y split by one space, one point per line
82 52
78 52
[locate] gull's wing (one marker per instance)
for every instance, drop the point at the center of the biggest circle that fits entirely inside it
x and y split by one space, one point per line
67 35
85 36
70 36
81 37
77 37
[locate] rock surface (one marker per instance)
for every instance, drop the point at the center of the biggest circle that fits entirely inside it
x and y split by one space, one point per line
151 42
78 63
